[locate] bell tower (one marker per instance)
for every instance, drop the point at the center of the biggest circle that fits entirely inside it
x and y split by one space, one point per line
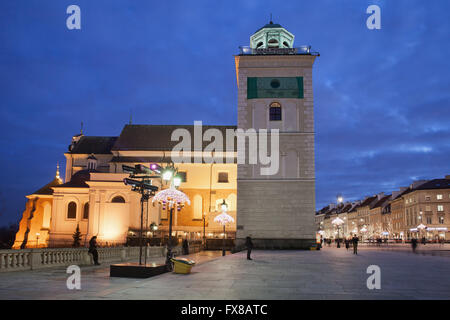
274 81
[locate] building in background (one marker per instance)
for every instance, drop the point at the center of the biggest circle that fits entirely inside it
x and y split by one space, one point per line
420 210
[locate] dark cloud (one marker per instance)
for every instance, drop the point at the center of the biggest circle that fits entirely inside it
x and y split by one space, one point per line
381 97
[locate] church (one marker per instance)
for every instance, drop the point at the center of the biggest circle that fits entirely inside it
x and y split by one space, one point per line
274 81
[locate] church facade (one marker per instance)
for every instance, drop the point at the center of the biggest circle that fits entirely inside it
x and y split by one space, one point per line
274 92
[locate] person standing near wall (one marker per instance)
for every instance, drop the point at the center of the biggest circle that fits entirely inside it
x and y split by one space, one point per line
93 249
249 245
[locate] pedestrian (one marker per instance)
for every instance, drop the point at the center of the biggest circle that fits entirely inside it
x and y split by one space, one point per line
249 245
355 244
424 241
347 243
414 244
93 249
185 246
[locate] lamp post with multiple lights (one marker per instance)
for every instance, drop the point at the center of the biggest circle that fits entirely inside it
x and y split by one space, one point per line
223 219
170 197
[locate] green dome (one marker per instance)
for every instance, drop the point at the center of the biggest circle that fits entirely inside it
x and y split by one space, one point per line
272 35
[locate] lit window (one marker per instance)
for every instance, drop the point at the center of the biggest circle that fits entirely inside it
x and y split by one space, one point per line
86 211
439 196
427 198
223 177
441 220
182 175
440 208
72 210
275 111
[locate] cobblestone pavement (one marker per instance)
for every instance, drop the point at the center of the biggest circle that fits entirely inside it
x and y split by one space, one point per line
326 274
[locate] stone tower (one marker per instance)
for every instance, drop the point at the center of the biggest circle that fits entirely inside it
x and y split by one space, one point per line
275 92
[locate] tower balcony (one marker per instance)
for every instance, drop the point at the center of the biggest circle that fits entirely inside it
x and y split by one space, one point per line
302 50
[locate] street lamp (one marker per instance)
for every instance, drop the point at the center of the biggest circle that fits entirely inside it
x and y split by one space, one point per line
223 219
338 222
174 199
421 227
204 229
363 229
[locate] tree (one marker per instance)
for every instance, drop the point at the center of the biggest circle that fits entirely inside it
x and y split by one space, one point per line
7 236
76 237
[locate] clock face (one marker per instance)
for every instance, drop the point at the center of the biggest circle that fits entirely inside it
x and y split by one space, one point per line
275 83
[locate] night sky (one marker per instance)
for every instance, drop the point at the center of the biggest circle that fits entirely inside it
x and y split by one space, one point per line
381 97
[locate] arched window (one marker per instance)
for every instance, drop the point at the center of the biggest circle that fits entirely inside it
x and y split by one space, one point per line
275 111
72 210
273 43
86 211
259 44
118 199
286 44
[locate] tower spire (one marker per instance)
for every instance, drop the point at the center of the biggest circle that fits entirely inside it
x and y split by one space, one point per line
81 128
57 172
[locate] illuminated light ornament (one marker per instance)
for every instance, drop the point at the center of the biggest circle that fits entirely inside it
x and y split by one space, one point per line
421 226
338 221
363 229
172 197
224 218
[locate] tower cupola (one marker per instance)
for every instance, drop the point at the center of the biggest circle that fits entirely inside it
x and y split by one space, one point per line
272 35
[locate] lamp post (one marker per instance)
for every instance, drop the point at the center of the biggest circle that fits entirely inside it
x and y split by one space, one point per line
223 219
363 230
204 230
339 200
140 182
338 222
173 198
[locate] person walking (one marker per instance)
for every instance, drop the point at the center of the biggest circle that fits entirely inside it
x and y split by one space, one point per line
414 244
249 245
93 249
185 246
347 243
355 244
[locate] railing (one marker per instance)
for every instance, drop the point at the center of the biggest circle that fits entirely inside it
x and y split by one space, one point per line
32 259
276 51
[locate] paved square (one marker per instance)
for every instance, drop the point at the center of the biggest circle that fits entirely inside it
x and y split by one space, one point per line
326 274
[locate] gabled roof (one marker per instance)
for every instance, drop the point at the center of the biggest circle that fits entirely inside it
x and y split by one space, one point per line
78 180
94 145
435 184
47 189
158 137
368 201
382 202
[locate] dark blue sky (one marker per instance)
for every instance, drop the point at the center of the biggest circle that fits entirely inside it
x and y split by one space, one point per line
382 110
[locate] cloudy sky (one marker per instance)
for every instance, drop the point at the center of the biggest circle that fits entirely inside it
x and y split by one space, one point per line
382 97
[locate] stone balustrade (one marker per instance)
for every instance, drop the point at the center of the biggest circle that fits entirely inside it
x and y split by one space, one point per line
32 259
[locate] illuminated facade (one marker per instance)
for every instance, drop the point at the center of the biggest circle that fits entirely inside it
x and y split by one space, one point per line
274 92
95 198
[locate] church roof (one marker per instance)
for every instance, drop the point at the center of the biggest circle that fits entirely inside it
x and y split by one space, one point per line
47 189
94 145
158 137
78 180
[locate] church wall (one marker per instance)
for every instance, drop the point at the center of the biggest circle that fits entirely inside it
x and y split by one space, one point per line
32 223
